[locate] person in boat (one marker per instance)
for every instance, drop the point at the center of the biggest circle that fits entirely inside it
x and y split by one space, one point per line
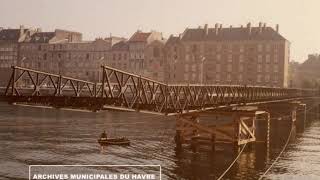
103 135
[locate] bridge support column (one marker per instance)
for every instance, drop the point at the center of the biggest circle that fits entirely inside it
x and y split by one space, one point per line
263 128
301 116
189 131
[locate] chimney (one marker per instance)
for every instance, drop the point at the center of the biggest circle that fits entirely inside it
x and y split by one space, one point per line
216 28
220 27
277 28
260 27
230 28
241 26
264 26
21 30
38 30
249 28
206 30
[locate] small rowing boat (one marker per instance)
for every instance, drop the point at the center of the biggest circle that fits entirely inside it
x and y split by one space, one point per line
122 141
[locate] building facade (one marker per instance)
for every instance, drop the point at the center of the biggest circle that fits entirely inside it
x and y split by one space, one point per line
10 40
242 56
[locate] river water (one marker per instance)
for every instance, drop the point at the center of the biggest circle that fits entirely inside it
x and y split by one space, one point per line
30 135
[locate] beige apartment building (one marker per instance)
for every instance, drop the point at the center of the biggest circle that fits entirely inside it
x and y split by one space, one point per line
64 52
146 54
232 55
142 54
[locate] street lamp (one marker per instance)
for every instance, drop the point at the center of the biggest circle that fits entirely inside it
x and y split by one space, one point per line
202 62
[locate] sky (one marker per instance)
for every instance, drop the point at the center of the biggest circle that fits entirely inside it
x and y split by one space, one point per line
298 19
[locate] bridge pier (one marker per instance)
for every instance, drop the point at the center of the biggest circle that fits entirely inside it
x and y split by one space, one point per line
301 116
240 126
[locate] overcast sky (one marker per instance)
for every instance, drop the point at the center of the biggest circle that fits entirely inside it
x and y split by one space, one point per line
298 19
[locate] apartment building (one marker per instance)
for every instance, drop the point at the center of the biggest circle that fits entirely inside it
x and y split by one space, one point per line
146 54
233 55
10 40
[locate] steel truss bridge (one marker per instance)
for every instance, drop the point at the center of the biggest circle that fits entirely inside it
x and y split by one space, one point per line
126 91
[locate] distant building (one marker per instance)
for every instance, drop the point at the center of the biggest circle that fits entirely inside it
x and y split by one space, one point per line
308 74
233 55
146 54
45 51
10 40
294 79
61 52
142 54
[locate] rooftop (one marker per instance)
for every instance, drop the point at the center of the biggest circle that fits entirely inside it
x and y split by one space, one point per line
140 37
11 34
218 33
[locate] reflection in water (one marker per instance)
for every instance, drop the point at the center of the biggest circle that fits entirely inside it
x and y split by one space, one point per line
49 136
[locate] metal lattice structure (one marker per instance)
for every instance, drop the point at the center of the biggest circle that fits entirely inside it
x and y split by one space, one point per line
37 83
123 90
131 91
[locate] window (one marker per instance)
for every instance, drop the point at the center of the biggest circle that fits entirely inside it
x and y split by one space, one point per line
186 67
187 57
87 56
156 52
268 58
267 67
268 47
186 77
276 68
259 68
230 48
218 67
259 58
267 78
193 67
241 68
230 58
193 76
228 77
229 68
259 78
241 58
260 47
194 48
217 77
45 56
219 47
218 57
240 78
275 58
241 48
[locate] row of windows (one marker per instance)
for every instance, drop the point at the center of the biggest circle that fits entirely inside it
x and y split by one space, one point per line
239 77
229 47
230 68
231 57
7 57
119 56
6 49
